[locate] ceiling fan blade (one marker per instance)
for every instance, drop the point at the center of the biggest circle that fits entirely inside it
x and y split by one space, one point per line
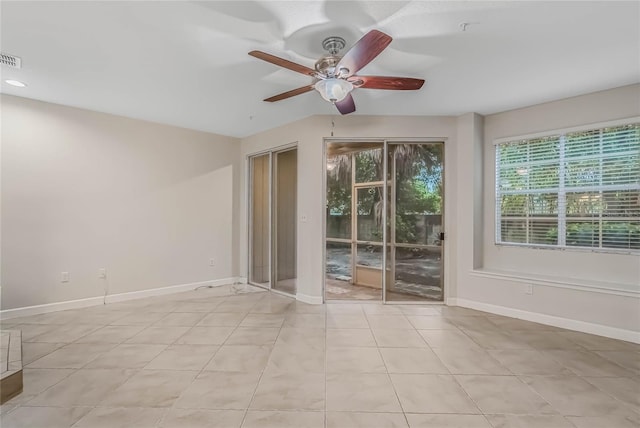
364 51
387 82
283 62
347 105
291 93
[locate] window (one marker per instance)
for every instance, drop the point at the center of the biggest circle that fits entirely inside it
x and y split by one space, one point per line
576 189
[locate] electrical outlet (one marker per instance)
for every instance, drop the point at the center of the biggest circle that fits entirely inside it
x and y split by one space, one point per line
529 289
212 262
64 277
102 273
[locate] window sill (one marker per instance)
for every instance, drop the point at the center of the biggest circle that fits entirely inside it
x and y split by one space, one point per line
568 248
629 290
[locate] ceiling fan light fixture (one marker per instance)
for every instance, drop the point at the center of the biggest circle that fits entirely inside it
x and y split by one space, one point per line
333 90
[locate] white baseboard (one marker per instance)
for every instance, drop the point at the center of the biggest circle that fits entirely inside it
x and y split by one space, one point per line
570 324
312 300
451 301
113 298
50 307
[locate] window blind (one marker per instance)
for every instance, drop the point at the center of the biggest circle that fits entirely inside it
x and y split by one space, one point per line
575 189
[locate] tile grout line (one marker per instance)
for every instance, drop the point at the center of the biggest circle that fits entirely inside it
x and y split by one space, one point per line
326 361
75 370
571 373
261 375
172 407
168 409
404 414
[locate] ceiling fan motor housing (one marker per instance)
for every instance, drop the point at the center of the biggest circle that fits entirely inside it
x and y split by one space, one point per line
327 65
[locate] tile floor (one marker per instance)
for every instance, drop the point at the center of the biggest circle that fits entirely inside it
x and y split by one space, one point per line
210 358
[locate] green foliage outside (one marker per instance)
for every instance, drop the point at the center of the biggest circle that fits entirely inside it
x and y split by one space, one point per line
614 235
597 171
419 188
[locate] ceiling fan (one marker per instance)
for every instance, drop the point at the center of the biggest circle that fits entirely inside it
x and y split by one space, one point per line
335 76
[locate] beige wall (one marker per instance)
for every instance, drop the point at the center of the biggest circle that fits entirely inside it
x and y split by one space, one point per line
84 190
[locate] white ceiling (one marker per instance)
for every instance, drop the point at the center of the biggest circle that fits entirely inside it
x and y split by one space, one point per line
186 64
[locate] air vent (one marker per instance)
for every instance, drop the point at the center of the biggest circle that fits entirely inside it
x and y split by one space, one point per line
10 60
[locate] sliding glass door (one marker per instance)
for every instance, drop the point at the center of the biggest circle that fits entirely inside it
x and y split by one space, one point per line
415 260
373 184
272 220
354 235
285 174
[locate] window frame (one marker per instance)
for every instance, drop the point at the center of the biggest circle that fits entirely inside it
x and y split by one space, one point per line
560 190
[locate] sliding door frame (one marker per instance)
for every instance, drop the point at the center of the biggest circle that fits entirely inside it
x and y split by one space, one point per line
250 218
274 222
386 205
393 208
249 201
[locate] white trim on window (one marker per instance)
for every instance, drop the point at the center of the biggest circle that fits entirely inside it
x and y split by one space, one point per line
549 133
